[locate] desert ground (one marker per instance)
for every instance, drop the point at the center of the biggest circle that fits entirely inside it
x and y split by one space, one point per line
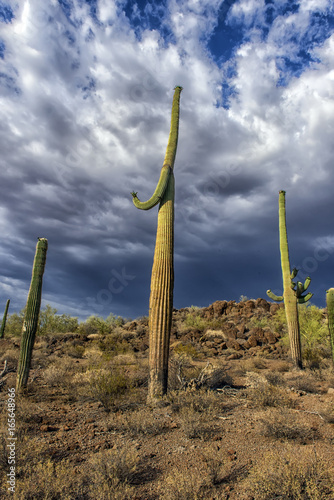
238 422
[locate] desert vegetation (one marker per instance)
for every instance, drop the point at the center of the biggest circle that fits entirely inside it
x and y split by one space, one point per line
239 421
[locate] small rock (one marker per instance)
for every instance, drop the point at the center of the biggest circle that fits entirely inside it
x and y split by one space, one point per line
234 356
330 390
47 428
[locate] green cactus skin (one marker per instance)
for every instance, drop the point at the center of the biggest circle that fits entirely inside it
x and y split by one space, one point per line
162 278
292 294
30 322
272 296
290 299
3 324
330 315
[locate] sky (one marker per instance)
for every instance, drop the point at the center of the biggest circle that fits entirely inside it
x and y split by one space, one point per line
86 88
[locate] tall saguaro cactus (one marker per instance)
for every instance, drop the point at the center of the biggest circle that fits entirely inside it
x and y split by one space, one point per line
30 322
292 294
162 278
3 324
330 315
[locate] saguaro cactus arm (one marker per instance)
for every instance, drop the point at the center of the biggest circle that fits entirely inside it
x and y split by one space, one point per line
158 193
300 289
168 164
30 322
272 296
306 298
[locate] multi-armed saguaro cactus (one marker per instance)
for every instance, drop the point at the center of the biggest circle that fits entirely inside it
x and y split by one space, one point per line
30 322
3 324
330 315
162 280
292 294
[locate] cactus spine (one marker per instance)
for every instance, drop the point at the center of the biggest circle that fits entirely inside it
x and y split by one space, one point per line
162 278
3 324
30 322
330 315
292 294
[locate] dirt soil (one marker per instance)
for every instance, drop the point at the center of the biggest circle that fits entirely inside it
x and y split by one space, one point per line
211 439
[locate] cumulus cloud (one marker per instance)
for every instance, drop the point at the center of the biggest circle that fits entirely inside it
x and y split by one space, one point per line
86 90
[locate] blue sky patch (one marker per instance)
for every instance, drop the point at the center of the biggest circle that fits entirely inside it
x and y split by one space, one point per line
2 49
6 13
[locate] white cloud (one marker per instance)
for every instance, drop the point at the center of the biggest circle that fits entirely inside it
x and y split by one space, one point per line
89 122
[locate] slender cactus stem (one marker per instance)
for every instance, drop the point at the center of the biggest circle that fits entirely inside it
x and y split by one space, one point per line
30 322
3 324
330 315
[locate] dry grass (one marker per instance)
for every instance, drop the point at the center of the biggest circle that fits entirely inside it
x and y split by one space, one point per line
111 472
143 421
284 425
184 485
292 476
247 440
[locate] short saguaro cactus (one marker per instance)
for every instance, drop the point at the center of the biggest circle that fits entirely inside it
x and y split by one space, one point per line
293 292
4 319
30 322
330 315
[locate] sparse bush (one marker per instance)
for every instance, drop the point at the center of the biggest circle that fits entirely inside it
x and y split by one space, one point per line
216 462
275 378
47 481
75 351
113 345
11 356
142 421
185 485
283 425
253 364
195 424
107 385
193 320
111 472
53 375
188 349
292 476
262 394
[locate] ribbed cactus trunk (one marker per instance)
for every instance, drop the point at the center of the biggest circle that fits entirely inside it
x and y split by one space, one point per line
4 319
330 315
290 299
30 322
161 298
162 279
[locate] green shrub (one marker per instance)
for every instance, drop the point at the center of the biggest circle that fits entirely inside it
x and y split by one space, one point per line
186 350
113 345
51 322
14 324
107 385
195 321
98 324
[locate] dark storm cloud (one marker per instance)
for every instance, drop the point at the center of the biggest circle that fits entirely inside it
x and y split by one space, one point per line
90 124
